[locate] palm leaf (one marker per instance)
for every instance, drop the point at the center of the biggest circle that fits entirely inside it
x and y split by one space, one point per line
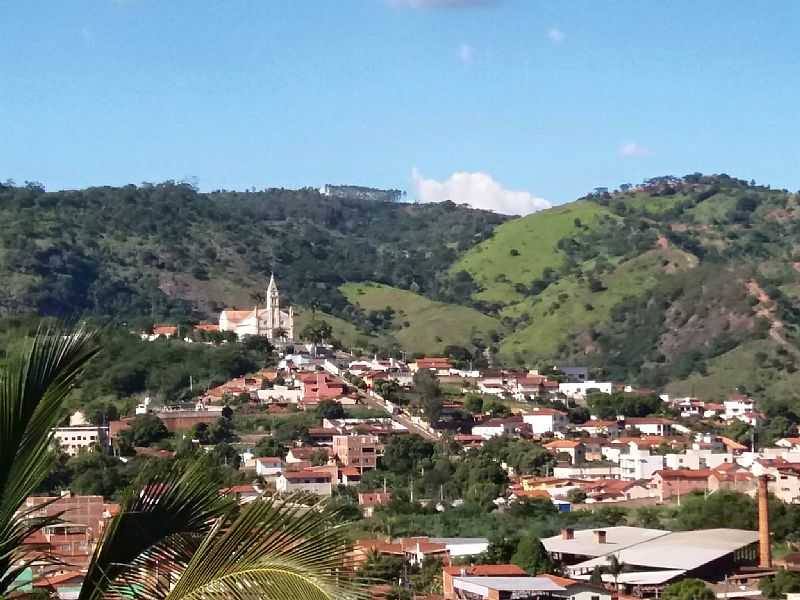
161 523
33 386
271 550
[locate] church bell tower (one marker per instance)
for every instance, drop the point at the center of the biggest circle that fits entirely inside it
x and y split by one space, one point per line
273 306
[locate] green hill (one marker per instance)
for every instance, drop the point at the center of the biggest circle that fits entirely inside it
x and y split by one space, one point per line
520 250
422 325
686 283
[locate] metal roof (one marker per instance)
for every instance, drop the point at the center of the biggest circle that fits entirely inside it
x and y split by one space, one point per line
482 585
584 541
639 577
687 550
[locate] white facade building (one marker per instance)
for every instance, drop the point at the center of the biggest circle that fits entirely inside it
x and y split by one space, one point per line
579 389
269 321
546 420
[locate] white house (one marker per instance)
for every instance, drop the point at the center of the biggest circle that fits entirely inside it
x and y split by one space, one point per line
649 425
269 466
638 463
578 390
314 482
546 420
740 407
280 393
493 428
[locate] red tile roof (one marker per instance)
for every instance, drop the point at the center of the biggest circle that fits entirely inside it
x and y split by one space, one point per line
487 570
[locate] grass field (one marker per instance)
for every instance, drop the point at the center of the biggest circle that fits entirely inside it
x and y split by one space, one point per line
534 238
569 307
422 325
739 367
344 331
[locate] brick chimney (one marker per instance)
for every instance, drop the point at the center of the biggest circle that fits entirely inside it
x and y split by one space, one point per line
568 533
764 548
600 536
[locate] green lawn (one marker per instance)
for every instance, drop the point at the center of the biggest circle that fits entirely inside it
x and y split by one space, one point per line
422 325
534 237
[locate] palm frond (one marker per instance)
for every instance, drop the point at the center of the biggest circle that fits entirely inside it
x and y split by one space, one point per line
272 550
161 521
33 386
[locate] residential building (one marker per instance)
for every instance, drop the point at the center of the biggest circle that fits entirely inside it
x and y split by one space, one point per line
667 483
74 439
574 449
579 389
369 500
496 426
307 480
269 466
360 451
578 590
448 573
638 463
546 420
438 364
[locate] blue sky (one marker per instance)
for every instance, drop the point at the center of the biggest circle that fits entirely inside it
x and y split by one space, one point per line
468 98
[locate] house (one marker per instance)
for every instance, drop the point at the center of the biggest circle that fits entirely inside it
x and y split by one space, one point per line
578 590
369 500
496 426
269 466
572 448
438 364
546 420
301 454
505 570
359 451
319 386
496 588
243 493
307 480
649 425
74 439
578 390
636 461
65 585
614 490
790 443
491 388
731 477
596 427
739 406
667 483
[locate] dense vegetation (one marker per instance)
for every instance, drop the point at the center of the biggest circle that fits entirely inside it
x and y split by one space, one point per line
688 283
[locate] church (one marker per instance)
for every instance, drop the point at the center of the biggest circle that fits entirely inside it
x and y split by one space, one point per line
269 321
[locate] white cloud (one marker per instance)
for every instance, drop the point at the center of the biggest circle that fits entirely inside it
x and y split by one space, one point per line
556 35
479 190
440 3
632 149
465 53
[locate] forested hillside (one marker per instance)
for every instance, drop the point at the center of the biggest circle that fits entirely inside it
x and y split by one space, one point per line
168 252
686 282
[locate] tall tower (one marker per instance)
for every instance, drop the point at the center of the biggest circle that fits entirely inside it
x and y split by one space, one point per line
273 306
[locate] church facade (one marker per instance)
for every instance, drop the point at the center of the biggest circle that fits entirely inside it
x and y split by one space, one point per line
269 320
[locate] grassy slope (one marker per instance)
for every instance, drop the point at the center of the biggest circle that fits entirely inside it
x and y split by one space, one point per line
739 367
535 238
432 325
554 321
345 332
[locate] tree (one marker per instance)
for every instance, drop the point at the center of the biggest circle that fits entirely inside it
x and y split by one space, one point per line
473 403
174 535
145 430
576 496
330 409
427 387
531 555
317 332
269 447
615 568
381 567
688 589
782 583
596 577
499 551
34 383
403 452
